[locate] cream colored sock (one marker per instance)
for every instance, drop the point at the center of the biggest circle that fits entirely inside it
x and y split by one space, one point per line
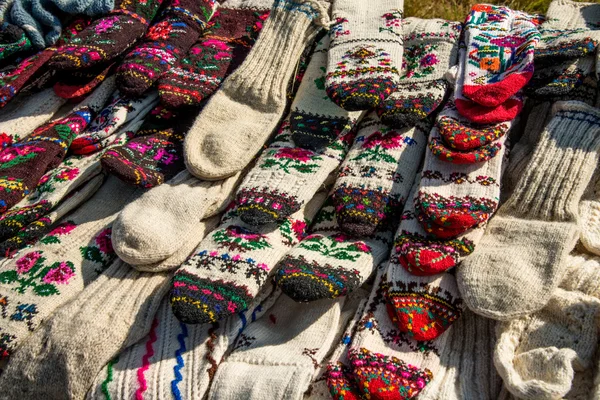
520 259
152 228
589 212
243 113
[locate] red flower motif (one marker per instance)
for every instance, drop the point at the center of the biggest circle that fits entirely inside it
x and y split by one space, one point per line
294 153
68 174
160 31
62 229
60 274
299 228
5 140
25 263
103 240
391 140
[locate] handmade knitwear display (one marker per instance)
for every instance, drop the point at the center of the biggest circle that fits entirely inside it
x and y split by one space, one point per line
298 200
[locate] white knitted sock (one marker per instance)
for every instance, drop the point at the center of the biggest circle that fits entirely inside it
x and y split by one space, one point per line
520 259
52 272
175 360
217 145
277 356
365 54
150 229
589 214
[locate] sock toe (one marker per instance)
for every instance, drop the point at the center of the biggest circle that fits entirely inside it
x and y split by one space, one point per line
360 211
305 281
260 206
314 132
364 94
115 162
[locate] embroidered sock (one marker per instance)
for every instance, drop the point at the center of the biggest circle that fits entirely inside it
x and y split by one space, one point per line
53 272
454 197
328 263
108 37
561 78
316 121
430 49
542 209
232 32
138 236
255 93
365 54
114 311
75 85
185 357
118 113
231 265
383 362
499 47
377 174
285 177
164 44
24 163
279 352
155 155
13 40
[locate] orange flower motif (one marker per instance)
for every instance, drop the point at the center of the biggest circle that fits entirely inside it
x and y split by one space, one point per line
490 64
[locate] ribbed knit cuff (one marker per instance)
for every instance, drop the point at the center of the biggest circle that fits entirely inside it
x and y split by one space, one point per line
561 166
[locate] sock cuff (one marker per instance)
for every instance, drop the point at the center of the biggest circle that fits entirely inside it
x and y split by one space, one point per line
568 14
561 166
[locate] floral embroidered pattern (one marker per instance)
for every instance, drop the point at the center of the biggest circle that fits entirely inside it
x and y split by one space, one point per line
237 238
337 246
102 252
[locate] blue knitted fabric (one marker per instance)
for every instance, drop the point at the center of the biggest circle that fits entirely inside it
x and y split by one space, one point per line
40 18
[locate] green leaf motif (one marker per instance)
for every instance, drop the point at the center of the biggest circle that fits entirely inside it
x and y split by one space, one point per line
92 253
45 290
8 277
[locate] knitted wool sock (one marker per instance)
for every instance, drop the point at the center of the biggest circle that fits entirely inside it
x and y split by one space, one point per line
178 204
164 44
108 37
537 355
231 34
255 93
365 54
36 230
114 311
383 362
542 209
500 44
53 272
423 254
430 49
328 263
77 84
315 120
175 359
589 216
454 197
232 264
155 155
376 175
34 111
562 78
119 111
285 177
278 353
13 40
24 163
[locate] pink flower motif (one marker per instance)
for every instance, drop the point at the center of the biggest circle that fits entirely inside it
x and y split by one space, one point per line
391 140
196 50
340 237
62 229
509 41
105 24
44 179
68 174
361 246
299 228
294 153
103 240
164 157
141 147
239 232
25 263
429 60
60 274
216 44
262 266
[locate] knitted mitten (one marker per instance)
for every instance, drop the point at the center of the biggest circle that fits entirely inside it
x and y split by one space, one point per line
285 177
232 264
499 49
24 163
328 263
155 155
278 353
377 174
571 30
430 49
365 54
175 359
13 40
537 355
231 34
114 311
519 261
255 93
119 111
316 121
164 44
34 111
458 191
52 272
108 37
151 229
383 362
